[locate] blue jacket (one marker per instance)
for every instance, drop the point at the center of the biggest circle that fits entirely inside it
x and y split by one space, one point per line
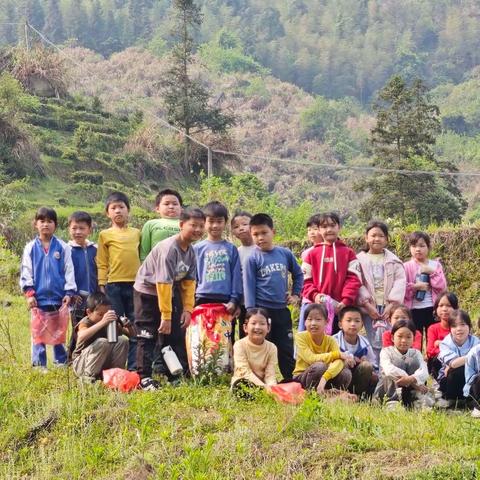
449 351
265 279
51 274
364 349
472 368
85 267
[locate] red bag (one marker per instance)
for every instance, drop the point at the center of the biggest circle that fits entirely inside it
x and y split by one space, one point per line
291 392
49 327
120 379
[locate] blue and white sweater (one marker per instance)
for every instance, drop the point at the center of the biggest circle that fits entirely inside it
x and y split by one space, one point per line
449 351
85 267
364 349
472 368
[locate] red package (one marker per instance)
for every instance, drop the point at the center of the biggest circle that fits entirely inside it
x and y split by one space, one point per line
49 328
291 392
120 379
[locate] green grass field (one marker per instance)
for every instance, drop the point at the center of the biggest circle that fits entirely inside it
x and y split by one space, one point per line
53 428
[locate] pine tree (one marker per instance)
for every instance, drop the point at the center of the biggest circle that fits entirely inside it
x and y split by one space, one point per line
53 28
8 31
32 11
76 20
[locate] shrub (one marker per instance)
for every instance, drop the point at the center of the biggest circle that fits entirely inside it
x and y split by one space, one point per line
92 178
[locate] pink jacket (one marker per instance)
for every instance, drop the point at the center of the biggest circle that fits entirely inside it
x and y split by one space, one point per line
394 282
438 282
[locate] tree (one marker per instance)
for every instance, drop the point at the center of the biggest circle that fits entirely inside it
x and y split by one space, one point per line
53 28
186 99
7 27
32 11
406 130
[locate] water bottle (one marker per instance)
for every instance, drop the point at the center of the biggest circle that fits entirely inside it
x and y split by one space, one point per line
420 295
172 361
112 334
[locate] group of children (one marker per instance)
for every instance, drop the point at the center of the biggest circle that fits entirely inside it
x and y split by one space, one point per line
148 283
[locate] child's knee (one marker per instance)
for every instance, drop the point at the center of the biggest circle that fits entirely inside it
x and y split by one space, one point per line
365 368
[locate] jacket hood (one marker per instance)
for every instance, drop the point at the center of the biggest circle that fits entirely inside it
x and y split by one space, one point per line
390 257
74 244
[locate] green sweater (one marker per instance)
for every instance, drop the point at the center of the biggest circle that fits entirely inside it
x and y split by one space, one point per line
155 231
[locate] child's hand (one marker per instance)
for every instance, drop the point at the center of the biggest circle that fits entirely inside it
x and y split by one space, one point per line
422 286
386 312
321 386
237 312
165 327
230 306
66 300
31 302
437 343
185 319
421 388
101 288
348 359
339 306
425 268
372 312
293 299
109 317
405 381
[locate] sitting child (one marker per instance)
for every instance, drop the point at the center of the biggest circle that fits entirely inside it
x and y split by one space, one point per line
254 357
320 363
402 368
93 352
363 363
472 378
401 312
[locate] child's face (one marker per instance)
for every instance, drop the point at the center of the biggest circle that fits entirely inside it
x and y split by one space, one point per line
117 212
215 227
169 207
79 231
398 314
444 310
419 251
315 323
45 227
262 236
376 240
460 331
192 229
313 234
403 339
351 323
257 328
241 229
329 231
96 315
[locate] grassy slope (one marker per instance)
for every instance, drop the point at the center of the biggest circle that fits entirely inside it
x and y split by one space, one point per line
52 428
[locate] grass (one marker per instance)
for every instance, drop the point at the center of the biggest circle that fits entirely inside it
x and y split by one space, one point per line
51 427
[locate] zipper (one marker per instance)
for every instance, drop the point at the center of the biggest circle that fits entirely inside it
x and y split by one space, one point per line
85 252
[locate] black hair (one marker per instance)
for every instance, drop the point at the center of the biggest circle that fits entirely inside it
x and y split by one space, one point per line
47 213
459 315
316 306
256 311
215 210
261 219
451 297
240 213
416 236
314 221
375 224
114 197
190 213
80 216
346 310
404 323
324 217
402 307
96 300
164 193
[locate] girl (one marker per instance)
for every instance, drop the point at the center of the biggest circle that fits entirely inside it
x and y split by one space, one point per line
401 312
383 280
402 368
254 357
320 363
453 354
425 280
472 378
445 304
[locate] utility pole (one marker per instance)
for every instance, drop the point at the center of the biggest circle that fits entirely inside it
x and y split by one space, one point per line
209 163
27 40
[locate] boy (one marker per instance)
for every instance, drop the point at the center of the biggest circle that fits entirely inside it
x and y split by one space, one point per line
93 352
363 362
219 277
332 271
168 204
84 253
265 284
47 278
164 294
118 261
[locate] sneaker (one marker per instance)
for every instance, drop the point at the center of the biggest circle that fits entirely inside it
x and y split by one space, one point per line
475 413
392 405
424 401
40 369
148 384
443 403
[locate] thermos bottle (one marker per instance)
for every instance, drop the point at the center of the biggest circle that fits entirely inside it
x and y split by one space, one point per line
172 361
112 334
420 295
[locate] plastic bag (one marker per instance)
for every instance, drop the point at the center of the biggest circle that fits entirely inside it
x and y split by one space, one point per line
379 328
49 328
120 379
291 392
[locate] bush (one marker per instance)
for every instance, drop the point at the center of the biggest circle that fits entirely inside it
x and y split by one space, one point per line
87 192
9 268
92 178
69 154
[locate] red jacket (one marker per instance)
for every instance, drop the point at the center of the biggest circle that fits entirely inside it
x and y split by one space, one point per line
387 340
435 332
332 270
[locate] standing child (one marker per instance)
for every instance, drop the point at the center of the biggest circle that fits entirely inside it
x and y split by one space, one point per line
47 278
265 284
331 269
118 261
364 367
421 295
400 312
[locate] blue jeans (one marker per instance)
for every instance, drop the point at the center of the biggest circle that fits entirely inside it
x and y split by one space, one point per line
121 296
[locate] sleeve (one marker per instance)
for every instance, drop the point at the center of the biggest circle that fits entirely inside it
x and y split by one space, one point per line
187 292
250 282
352 281
305 353
26 270
145 241
446 354
334 368
310 290
417 341
70 285
364 296
242 366
471 370
388 368
271 368
387 339
432 350
165 276
397 293
236 272
102 260
297 275
421 374
165 292
438 282
410 282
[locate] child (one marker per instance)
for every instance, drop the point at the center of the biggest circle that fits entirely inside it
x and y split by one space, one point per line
422 309
84 253
219 276
453 355
364 367
265 284
472 378
254 357
384 281
332 272
93 352
314 237
118 261
445 304
168 205
47 278
320 363
164 295
400 312
402 368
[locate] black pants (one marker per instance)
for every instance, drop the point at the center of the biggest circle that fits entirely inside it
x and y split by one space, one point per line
281 335
452 385
475 391
241 323
147 322
423 318
434 365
